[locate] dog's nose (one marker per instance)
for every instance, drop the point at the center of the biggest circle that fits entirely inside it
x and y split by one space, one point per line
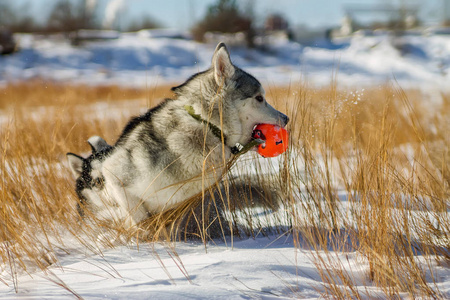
283 119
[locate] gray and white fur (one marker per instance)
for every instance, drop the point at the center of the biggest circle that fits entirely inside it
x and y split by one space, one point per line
166 156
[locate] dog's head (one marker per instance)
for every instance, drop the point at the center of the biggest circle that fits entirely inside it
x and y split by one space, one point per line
88 172
241 95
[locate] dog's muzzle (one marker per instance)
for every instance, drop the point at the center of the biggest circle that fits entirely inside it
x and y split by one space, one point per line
283 120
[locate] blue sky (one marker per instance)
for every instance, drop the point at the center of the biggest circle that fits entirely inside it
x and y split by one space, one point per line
182 14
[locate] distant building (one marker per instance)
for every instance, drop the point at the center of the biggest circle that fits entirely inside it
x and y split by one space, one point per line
346 26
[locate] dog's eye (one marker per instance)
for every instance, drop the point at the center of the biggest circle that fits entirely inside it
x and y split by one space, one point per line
259 98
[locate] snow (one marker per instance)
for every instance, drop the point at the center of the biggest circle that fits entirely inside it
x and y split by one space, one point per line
156 57
262 268
252 268
277 266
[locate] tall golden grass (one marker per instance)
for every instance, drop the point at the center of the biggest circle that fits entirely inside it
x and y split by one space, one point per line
390 151
385 150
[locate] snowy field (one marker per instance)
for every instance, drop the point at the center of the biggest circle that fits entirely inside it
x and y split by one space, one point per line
272 267
262 268
136 59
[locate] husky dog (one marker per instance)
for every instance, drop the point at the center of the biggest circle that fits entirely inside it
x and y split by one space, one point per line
177 148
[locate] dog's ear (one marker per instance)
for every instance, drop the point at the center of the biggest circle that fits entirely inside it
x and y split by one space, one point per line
221 63
97 143
75 163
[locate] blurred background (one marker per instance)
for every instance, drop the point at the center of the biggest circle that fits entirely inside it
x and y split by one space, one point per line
132 42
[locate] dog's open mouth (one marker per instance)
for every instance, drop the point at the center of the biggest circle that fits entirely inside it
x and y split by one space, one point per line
258 134
273 139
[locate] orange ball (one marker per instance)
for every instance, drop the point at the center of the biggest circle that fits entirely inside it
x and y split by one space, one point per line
275 137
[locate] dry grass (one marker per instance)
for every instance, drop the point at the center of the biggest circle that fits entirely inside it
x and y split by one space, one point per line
390 155
386 150
40 123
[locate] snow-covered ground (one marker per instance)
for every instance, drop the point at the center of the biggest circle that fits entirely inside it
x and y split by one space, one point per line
266 268
141 60
262 268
